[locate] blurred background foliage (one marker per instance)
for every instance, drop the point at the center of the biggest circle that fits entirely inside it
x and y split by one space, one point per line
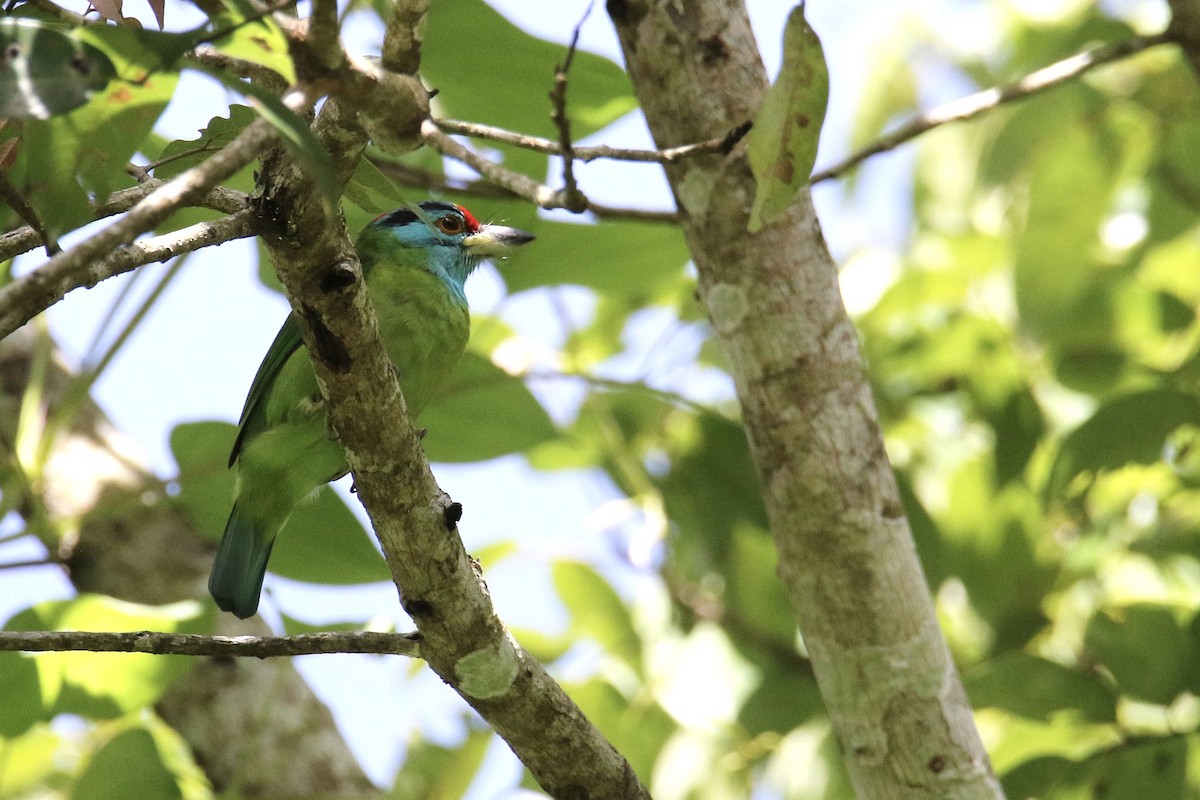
1034 348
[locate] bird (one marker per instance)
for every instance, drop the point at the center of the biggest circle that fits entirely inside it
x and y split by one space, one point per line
415 260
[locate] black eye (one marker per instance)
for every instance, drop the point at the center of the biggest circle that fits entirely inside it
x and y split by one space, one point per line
451 224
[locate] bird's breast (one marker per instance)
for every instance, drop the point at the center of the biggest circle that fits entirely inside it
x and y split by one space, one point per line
425 326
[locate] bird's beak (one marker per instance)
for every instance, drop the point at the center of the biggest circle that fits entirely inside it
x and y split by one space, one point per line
496 240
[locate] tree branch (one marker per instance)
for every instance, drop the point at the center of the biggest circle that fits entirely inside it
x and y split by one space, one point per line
572 197
183 644
846 555
975 104
403 36
515 182
669 155
424 179
523 185
24 299
219 198
462 639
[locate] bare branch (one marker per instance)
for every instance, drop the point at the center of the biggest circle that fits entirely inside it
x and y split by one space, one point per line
515 182
211 58
973 105
434 181
523 185
441 589
27 297
572 197
219 198
323 33
184 644
22 300
670 155
403 36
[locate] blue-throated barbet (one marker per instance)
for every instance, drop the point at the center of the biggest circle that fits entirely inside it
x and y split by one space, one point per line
416 262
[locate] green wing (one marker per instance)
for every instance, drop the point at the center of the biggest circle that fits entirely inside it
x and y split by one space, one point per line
287 341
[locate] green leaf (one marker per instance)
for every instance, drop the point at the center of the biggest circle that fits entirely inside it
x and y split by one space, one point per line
323 542
546 648
295 627
754 592
106 685
465 40
85 151
1060 293
713 453
639 729
183 154
628 258
597 611
1129 429
293 130
1124 772
371 190
782 145
44 71
34 760
22 705
763 710
260 42
128 765
1036 688
432 770
1145 648
201 449
484 413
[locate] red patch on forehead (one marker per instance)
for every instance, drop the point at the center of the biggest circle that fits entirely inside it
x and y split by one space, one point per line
472 223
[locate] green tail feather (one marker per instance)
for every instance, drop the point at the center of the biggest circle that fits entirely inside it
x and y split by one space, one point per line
237 574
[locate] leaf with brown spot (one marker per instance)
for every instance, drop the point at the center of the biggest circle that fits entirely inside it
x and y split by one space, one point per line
782 145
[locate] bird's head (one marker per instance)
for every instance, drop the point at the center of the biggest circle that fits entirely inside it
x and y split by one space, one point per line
447 239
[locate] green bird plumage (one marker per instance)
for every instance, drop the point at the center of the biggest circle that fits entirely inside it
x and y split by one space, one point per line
416 263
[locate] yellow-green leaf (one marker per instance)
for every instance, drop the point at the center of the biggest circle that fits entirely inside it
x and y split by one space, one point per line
782 145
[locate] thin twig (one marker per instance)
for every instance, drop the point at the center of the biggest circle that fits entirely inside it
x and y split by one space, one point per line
400 644
27 297
573 199
523 185
434 181
973 105
20 205
211 58
21 300
515 182
36 562
219 198
670 155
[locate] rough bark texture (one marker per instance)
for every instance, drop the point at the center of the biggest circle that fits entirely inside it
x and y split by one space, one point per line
254 726
462 640
845 550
